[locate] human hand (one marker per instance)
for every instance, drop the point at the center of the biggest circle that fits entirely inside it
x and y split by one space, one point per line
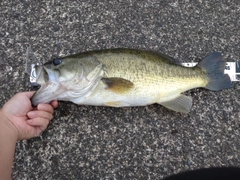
27 121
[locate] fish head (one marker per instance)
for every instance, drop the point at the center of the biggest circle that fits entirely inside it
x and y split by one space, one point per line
66 78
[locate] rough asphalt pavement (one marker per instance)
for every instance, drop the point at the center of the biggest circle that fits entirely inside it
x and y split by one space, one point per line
84 142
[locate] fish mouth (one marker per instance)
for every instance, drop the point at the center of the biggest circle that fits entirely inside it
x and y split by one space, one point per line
38 71
40 74
48 90
47 93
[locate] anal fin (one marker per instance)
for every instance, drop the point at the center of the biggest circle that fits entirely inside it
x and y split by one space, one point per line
180 104
116 104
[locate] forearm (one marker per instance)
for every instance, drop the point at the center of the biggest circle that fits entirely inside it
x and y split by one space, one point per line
8 141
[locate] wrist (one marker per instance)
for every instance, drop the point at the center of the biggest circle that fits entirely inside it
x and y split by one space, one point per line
8 138
7 127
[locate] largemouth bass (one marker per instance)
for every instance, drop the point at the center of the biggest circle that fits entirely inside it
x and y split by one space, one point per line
127 77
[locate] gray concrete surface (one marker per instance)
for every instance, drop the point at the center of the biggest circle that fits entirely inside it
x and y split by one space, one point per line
151 142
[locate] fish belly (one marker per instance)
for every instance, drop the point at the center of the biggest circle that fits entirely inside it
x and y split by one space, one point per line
140 95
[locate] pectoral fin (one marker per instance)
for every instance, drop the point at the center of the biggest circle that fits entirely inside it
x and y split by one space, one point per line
180 104
117 85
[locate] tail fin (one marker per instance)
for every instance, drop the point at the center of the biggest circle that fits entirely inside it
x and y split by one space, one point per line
214 67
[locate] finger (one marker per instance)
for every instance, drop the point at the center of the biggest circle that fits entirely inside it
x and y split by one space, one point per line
41 114
29 94
39 122
54 104
45 107
37 131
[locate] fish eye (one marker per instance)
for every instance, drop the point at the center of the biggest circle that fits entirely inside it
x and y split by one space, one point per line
57 62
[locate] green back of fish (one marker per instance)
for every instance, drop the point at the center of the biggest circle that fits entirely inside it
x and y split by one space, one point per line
138 64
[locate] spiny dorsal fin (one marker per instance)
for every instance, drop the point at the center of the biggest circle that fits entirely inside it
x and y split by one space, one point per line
117 85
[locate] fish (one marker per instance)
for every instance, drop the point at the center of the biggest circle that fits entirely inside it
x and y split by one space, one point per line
127 77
